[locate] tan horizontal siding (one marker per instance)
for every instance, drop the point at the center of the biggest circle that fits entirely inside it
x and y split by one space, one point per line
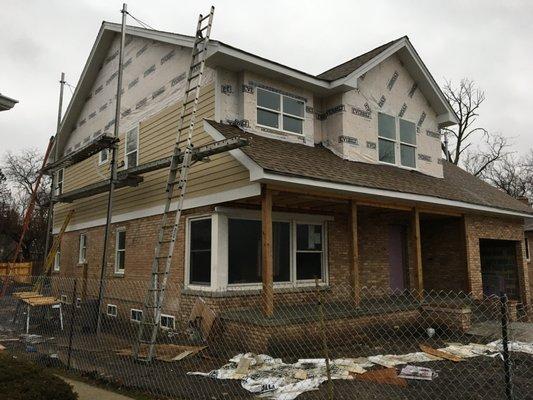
157 135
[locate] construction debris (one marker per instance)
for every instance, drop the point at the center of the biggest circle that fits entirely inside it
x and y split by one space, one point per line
166 352
521 347
439 353
419 373
385 375
201 320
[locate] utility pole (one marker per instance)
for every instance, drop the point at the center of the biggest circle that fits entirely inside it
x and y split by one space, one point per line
113 167
56 155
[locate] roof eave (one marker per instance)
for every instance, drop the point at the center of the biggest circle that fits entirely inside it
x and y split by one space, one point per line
7 103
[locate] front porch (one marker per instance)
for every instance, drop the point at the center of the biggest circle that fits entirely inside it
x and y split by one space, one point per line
391 246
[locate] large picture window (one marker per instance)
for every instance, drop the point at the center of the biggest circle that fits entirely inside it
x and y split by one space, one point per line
396 141
245 251
132 148
280 112
200 251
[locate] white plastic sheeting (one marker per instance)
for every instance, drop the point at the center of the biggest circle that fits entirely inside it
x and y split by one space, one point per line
271 378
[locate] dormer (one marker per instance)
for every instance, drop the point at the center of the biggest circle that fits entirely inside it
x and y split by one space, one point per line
381 107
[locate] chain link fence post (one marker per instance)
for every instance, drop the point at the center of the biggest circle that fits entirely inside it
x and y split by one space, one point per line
505 347
72 321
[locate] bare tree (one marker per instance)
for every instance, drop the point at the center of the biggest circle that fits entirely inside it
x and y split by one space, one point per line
466 99
21 172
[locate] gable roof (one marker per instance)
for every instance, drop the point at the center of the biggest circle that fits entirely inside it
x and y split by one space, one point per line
297 160
340 78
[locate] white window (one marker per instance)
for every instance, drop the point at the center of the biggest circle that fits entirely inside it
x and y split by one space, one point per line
59 176
120 251
528 256
103 156
136 315
64 298
396 141
167 321
112 310
57 260
200 251
309 252
131 158
279 112
82 254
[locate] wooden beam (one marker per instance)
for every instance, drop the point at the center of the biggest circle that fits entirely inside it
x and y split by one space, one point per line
417 250
268 267
355 272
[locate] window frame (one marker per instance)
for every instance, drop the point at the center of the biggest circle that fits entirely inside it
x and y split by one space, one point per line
190 284
100 161
120 271
126 153
526 249
111 306
398 143
170 317
132 310
58 185
82 259
322 252
279 112
57 260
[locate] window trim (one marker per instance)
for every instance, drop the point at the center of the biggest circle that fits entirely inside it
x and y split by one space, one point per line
323 252
198 286
116 269
84 259
398 143
111 306
138 321
172 318
280 113
126 166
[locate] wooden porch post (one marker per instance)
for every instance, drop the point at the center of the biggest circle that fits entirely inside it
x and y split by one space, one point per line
355 273
267 268
417 250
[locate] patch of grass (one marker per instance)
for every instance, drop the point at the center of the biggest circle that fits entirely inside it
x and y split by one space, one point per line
21 380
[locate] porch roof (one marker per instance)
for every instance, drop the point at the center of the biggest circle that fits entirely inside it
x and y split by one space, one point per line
318 163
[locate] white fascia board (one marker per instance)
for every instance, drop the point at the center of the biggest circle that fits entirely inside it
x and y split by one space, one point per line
445 119
256 172
160 36
346 188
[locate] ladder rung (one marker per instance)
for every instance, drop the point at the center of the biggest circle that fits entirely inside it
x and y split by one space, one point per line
161 257
190 90
198 52
189 102
168 226
204 28
167 241
202 19
195 76
196 64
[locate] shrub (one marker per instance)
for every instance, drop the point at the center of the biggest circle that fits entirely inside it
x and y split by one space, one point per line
20 380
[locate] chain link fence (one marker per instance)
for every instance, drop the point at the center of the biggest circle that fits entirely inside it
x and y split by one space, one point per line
322 342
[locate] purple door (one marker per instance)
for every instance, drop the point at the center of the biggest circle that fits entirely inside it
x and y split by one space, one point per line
396 257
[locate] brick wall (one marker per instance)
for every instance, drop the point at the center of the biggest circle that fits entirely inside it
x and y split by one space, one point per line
529 235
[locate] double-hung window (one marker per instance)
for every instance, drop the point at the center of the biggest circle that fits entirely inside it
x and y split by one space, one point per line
82 254
120 251
131 158
59 175
103 156
526 245
200 251
309 252
279 112
396 141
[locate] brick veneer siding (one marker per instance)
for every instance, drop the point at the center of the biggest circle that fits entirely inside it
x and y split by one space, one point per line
529 235
486 227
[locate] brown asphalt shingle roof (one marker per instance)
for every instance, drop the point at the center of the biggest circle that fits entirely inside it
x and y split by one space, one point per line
346 68
293 159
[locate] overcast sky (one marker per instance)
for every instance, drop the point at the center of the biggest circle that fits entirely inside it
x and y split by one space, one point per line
488 41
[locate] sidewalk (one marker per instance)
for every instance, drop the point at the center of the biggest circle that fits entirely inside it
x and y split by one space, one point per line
88 392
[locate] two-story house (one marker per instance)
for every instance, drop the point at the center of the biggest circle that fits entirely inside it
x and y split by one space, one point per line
343 175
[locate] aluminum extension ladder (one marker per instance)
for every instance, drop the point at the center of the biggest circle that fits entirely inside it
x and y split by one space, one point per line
175 188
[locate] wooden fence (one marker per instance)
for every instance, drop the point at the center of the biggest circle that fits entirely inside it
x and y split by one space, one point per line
21 272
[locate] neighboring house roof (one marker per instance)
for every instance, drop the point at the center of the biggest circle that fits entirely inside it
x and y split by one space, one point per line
341 78
6 103
320 164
